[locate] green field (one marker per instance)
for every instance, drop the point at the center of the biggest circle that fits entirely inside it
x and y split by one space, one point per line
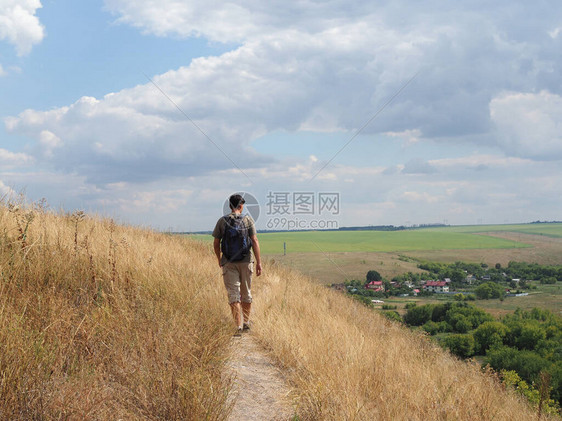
379 241
445 238
334 256
550 230
442 238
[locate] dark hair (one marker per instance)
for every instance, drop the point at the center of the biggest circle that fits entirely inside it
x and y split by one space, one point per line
235 201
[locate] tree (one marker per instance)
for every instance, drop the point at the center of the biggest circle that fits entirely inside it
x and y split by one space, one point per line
431 327
458 276
460 345
512 381
527 364
460 323
373 275
484 291
417 316
488 335
525 334
489 290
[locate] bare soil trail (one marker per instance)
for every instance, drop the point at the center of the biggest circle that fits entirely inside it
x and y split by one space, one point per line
260 391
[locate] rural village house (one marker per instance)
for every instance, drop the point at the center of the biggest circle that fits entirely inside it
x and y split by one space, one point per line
436 286
375 286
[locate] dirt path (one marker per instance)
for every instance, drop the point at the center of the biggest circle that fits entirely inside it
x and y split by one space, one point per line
260 392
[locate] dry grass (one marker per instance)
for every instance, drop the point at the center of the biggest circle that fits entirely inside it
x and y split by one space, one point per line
99 321
346 362
544 251
329 268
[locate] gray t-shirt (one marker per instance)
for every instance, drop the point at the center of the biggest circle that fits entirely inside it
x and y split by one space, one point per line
218 232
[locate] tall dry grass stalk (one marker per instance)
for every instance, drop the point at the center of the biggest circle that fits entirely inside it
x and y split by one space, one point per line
100 321
347 362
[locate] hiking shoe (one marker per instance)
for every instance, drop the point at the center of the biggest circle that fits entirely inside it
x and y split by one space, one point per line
238 332
246 326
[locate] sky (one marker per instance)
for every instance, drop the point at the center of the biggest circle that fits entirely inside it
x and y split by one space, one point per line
400 112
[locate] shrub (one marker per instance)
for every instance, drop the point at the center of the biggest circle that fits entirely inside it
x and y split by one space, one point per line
527 364
462 324
417 316
460 345
489 290
393 315
525 334
512 381
489 334
431 327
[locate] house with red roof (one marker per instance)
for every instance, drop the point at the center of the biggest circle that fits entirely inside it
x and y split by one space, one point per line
376 286
436 286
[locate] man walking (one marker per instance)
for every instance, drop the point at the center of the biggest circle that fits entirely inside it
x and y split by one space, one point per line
235 236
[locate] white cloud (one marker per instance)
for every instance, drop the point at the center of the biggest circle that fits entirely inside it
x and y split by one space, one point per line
479 160
529 124
10 159
224 22
409 136
414 196
128 201
49 141
19 25
418 166
6 191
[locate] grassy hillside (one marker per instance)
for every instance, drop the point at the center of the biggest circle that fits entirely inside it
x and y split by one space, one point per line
99 321
348 362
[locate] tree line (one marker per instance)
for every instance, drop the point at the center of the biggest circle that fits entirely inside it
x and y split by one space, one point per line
526 342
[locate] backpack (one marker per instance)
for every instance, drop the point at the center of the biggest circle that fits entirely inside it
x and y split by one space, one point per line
236 242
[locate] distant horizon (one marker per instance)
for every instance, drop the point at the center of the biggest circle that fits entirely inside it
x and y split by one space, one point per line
366 228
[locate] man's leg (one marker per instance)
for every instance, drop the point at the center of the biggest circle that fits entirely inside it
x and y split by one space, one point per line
246 270
232 284
246 309
236 313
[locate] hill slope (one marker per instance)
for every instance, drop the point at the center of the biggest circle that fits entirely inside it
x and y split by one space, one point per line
102 321
99 321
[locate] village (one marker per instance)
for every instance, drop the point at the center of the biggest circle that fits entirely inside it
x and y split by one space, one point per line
469 286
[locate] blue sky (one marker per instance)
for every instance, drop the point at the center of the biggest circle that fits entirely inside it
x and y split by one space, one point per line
262 96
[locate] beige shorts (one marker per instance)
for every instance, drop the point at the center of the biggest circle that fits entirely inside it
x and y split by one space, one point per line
237 278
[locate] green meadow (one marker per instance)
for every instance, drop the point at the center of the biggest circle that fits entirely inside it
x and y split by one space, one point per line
333 256
548 229
445 238
378 241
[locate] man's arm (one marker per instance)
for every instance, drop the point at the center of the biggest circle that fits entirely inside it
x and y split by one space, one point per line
217 247
256 249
